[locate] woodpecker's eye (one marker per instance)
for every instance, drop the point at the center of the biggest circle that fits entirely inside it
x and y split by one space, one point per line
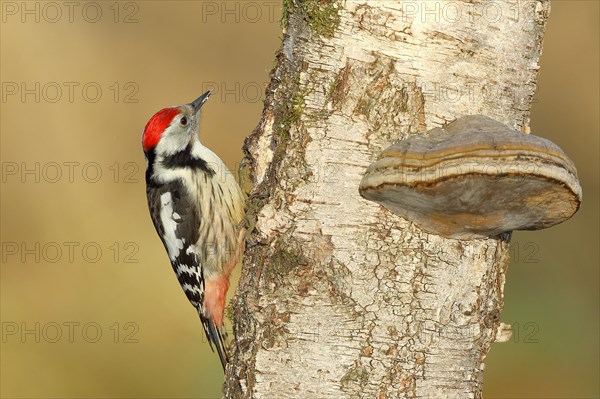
183 121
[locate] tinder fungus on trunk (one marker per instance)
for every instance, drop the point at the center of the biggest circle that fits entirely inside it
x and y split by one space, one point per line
473 178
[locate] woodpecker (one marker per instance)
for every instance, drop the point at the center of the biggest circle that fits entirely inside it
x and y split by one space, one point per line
196 206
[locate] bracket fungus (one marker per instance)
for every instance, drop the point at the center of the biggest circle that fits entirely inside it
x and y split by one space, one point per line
474 178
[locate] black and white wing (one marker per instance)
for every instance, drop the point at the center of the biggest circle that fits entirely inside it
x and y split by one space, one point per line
176 218
176 222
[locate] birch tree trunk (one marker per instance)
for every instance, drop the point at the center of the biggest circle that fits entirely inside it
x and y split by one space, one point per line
339 298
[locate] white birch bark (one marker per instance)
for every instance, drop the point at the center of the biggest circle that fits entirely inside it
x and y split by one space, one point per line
339 298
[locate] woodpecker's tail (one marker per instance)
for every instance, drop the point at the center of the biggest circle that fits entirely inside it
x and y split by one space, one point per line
217 337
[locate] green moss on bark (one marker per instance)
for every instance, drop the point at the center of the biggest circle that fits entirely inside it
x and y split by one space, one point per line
322 16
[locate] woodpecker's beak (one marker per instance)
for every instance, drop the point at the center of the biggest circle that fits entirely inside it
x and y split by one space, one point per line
197 103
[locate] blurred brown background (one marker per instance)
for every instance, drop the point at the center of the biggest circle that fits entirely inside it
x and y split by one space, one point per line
89 304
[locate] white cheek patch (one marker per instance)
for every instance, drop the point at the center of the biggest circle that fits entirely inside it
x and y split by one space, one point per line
167 217
173 139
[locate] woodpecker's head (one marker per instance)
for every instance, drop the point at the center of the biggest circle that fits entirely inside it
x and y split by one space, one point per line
172 130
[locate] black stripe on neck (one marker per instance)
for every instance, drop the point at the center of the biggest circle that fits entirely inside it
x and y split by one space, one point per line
150 156
185 159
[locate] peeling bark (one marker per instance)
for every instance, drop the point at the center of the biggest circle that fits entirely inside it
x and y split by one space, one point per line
339 298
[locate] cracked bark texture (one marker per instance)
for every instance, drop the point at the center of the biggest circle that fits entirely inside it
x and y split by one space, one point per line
339 298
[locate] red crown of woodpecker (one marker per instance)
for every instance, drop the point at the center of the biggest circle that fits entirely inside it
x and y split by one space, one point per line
156 126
